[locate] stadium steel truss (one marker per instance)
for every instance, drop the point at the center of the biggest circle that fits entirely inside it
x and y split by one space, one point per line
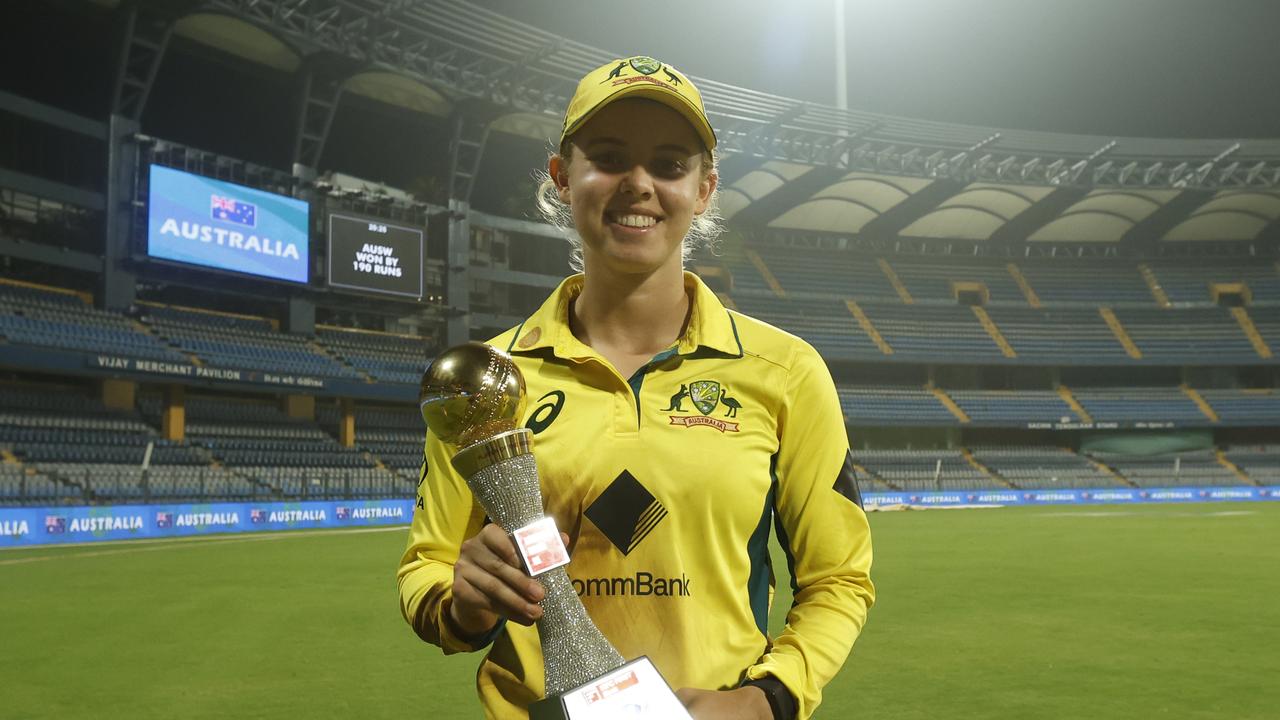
469 53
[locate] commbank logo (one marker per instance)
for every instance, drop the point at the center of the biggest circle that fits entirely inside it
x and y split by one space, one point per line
626 512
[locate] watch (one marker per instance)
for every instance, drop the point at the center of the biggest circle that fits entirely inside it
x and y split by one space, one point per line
781 702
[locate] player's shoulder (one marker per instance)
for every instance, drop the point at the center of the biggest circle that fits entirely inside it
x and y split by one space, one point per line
772 344
506 340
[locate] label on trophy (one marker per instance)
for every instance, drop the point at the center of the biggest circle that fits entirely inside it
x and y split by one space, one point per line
634 691
541 546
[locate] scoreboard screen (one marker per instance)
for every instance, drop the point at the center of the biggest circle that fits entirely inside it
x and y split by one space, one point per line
372 255
215 224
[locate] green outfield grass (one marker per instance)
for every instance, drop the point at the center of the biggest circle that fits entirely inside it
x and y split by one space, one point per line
1168 611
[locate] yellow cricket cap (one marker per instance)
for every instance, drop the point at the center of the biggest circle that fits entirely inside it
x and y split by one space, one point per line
638 76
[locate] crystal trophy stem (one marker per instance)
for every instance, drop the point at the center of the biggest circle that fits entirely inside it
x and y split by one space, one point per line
503 476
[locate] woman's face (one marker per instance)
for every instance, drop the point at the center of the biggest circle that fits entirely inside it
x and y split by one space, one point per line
634 183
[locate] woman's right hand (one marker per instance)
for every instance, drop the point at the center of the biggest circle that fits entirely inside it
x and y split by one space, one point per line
489 583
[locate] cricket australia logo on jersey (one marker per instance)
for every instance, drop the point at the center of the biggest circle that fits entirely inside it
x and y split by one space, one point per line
707 397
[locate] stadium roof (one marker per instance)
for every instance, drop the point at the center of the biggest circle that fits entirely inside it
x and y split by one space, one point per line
790 166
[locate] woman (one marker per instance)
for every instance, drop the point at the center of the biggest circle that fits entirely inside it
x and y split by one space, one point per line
669 434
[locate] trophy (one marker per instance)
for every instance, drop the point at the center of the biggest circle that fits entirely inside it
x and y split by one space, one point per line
472 397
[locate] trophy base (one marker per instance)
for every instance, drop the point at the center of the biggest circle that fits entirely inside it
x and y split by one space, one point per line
635 691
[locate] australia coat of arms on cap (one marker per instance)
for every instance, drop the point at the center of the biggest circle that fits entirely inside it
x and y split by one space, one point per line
645 65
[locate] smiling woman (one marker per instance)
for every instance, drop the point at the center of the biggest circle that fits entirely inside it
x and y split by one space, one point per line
627 125
667 482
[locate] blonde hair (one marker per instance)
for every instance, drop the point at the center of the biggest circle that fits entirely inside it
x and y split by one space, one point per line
703 233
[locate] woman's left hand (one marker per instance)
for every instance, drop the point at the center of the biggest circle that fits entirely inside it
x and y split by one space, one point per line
744 703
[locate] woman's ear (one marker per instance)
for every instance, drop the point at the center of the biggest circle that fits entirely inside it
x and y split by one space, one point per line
706 188
558 169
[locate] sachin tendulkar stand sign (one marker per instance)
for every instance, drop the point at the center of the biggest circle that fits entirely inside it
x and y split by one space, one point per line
61 524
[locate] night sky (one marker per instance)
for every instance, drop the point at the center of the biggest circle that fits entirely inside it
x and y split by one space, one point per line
1154 68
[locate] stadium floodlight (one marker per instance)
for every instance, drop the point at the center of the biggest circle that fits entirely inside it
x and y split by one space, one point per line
1126 171
1004 165
1053 172
1030 167
931 163
1101 171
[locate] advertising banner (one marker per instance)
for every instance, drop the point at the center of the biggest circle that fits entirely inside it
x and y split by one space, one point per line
201 221
1091 496
24 526
61 525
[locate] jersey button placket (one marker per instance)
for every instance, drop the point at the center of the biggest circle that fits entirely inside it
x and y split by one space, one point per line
624 412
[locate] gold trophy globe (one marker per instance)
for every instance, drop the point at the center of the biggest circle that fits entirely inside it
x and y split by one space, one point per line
470 395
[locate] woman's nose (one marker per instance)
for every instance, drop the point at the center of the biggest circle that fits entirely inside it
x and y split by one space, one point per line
638 182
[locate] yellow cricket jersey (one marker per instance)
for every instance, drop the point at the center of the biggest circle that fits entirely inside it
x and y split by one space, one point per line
667 484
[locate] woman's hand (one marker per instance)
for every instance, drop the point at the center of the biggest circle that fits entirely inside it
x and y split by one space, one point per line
489 582
744 703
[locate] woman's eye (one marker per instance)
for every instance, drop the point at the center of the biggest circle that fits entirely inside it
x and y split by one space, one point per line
671 167
608 159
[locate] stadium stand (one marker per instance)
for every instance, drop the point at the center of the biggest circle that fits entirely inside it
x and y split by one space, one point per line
826 324
806 293
1150 404
892 405
1087 283
64 446
383 357
49 318
1059 335
1045 467
390 433
927 470
1187 335
1070 282
935 282
1190 468
1260 462
1013 407
913 334
1243 406
287 457
815 273
1188 284
81 450
240 342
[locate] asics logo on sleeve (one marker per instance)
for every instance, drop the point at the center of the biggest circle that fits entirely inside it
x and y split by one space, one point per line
547 412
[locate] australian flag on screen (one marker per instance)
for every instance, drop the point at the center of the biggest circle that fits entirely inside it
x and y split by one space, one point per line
257 516
232 210
343 512
164 519
55 524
